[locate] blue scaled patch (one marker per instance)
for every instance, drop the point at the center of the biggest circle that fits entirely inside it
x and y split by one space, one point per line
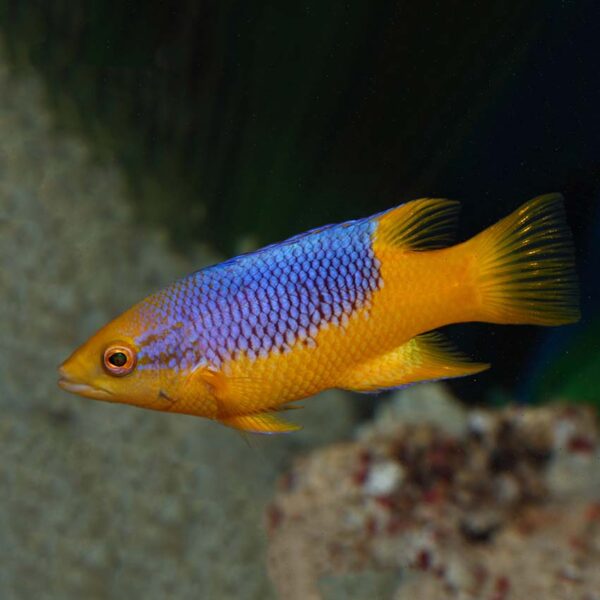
265 301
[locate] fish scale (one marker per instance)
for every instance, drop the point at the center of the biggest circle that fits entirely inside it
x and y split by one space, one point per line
278 297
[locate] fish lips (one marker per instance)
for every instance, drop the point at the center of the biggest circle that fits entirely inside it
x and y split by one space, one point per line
82 389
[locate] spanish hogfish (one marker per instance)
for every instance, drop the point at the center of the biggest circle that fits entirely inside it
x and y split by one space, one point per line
349 306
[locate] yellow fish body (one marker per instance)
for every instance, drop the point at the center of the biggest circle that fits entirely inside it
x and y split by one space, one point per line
351 306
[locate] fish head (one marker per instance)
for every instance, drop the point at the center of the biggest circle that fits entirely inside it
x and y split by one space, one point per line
120 363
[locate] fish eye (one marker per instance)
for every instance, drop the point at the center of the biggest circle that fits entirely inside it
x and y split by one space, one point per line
119 360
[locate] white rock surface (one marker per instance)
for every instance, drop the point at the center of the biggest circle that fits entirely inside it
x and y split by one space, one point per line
101 500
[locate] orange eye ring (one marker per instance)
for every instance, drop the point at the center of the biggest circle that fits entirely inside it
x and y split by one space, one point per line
119 360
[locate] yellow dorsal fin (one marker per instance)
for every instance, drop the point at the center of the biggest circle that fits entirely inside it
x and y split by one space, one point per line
265 422
423 224
426 357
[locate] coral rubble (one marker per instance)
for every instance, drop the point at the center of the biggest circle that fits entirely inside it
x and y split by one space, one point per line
496 505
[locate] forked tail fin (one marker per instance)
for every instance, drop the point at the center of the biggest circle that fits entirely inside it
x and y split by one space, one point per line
526 267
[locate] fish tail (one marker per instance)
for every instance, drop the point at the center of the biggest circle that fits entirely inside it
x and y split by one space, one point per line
525 266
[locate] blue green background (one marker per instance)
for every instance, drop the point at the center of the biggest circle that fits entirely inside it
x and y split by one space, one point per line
243 123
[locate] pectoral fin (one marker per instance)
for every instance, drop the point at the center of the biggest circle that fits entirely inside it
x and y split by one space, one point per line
229 394
265 422
426 357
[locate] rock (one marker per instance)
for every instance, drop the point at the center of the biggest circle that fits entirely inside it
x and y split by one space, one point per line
505 506
418 404
383 478
101 500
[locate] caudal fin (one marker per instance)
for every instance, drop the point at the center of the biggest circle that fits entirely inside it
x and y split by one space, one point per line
526 266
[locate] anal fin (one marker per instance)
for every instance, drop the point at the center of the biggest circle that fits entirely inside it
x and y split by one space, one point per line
265 422
426 357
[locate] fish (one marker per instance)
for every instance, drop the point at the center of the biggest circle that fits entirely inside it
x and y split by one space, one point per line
354 306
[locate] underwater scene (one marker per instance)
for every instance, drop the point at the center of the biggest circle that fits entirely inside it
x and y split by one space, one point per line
299 301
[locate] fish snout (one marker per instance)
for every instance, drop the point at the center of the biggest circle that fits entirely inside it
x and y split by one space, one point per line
66 378
67 371
72 379
63 373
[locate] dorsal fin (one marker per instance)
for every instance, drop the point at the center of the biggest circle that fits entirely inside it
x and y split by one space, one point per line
423 224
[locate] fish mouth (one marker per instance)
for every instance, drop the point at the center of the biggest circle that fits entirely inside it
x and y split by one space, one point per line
82 389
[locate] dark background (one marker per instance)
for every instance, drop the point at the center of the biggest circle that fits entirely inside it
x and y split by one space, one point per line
243 123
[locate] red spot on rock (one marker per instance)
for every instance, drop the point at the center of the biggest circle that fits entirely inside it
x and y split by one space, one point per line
530 522
501 588
400 451
423 560
593 512
440 571
570 411
274 517
364 460
394 525
287 482
385 501
581 444
441 534
371 526
336 549
577 543
480 575
439 463
360 476
434 495
364 456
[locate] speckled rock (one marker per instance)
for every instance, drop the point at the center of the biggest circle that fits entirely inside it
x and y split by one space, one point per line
486 505
100 500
